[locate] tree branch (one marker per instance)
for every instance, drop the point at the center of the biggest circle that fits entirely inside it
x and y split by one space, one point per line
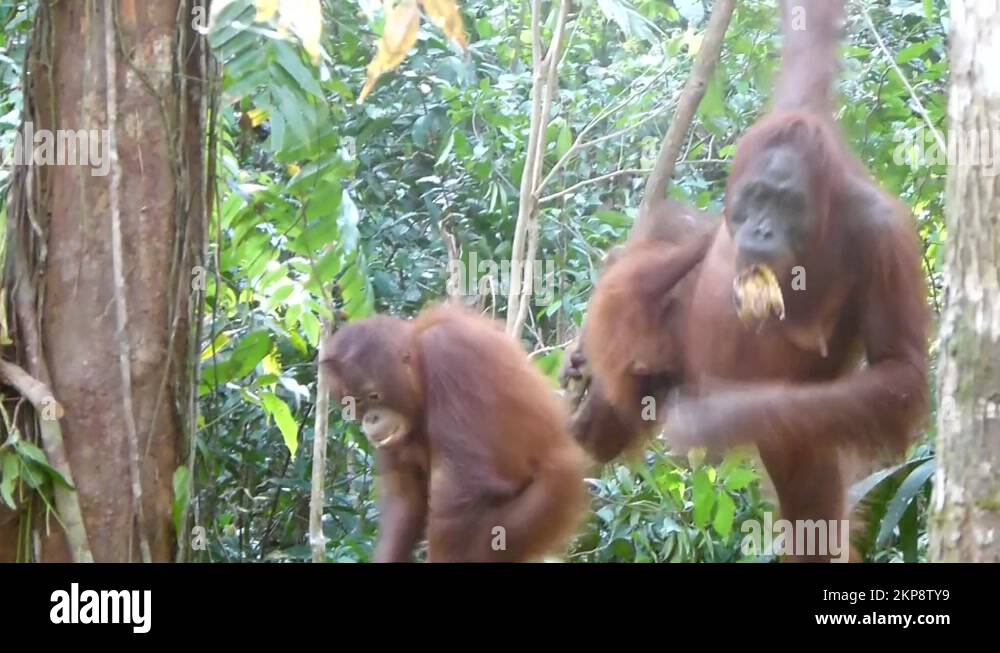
543 92
586 182
317 541
48 411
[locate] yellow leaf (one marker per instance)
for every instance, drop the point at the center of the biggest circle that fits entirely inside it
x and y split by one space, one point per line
693 40
401 27
445 14
257 117
305 19
212 350
294 169
271 365
266 9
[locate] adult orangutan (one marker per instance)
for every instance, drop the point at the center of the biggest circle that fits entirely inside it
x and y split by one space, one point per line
802 211
472 445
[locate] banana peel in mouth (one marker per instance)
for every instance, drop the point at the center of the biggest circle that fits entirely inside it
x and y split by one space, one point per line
757 295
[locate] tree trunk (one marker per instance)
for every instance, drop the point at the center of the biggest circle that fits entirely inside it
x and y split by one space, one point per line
965 524
108 247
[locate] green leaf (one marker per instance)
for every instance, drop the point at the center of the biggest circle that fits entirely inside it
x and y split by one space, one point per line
30 451
181 497
248 85
213 349
267 379
613 218
907 490
867 485
857 52
282 415
275 276
9 471
37 456
624 479
230 22
356 290
294 111
550 364
288 58
909 533
484 28
280 294
277 131
317 234
713 104
917 49
348 223
423 129
724 513
668 547
647 477
565 141
31 476
730 463
623 550
739 478
248 352
703 496
237 53
341 89
310 327
325 270
552 308
299 344
462 148
324 200
446 149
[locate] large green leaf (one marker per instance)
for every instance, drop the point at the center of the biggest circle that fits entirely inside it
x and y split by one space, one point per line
739 479
912 52
248 352
290 60
38 457
282 415
902 499
724 514
703 495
